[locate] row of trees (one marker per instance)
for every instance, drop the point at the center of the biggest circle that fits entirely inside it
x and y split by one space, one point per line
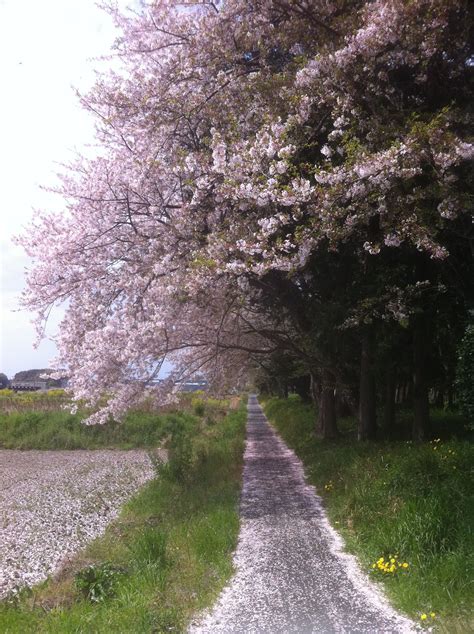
357 355
282 185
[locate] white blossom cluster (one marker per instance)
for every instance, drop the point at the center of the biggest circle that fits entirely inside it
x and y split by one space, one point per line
52 503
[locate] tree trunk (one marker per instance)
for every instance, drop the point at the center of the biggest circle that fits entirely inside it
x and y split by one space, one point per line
450 397
344 407
367 404
315 393
439 401
302 387
282 388
389 406
314 387
421 407
323 392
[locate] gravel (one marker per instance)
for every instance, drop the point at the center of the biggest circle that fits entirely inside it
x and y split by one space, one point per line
292 574
52 503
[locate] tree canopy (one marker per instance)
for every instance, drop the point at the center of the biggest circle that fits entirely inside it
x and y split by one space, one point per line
275 179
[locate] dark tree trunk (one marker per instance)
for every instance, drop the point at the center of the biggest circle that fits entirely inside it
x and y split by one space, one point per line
315 393
323 392
389 405
282 388
367 403
450 397
439 401
314 388
421 406
344 405
302 387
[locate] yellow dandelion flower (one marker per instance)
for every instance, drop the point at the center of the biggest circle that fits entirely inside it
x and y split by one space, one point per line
423 617
404 564
432 614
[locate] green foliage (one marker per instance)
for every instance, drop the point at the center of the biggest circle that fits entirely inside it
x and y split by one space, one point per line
465 375
412 500
56 393
198 407
180 453
202 405
3 381
62 430
150 546
98 582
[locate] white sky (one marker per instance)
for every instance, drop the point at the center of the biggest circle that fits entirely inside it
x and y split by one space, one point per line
46 48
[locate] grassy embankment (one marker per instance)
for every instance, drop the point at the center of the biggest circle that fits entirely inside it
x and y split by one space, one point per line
413 501
39 421
169 553
62 430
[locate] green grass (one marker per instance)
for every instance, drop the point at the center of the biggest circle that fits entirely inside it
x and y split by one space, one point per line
412 500
41 424
62 430
164 559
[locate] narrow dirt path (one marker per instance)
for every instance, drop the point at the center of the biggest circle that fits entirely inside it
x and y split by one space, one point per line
292 576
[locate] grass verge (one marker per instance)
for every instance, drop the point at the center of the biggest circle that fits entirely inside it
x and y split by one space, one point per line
58 429
164 559
400 500
62 430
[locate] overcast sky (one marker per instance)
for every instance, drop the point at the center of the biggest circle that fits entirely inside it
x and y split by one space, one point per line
46 48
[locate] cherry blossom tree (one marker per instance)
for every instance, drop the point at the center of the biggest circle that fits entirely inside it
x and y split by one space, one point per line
240 142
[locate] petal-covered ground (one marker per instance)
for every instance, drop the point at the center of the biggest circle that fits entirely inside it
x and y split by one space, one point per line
52 503
292 575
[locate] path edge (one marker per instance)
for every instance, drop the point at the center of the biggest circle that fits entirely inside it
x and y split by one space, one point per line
372 591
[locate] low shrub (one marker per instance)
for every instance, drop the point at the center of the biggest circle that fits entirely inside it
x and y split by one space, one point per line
199 408
98 582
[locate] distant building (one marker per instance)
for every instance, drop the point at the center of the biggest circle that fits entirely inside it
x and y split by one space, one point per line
34 380
182 386
193 386
28 386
